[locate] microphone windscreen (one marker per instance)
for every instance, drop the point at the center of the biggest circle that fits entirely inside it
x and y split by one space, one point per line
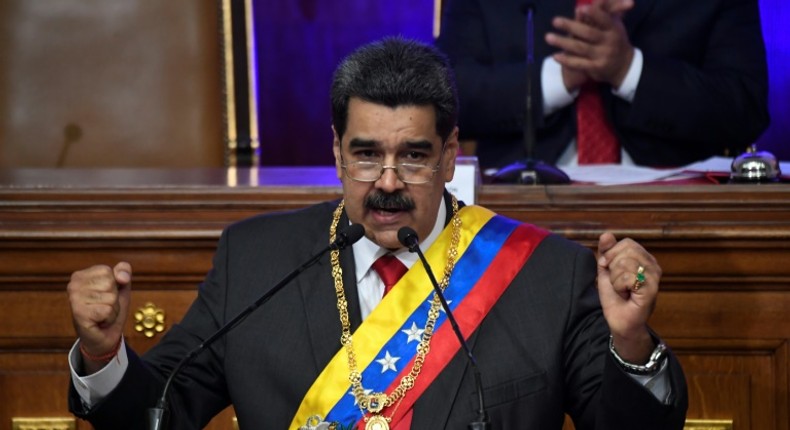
353 233
407 236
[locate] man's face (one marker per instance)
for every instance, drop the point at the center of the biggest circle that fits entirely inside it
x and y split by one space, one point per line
405 134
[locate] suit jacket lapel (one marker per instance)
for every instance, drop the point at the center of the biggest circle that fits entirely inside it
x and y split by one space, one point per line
320 302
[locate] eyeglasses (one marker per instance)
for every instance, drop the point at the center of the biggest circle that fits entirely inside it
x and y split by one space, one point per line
408 173
371 171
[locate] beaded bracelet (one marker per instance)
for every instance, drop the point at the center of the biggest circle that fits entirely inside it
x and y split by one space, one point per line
104 357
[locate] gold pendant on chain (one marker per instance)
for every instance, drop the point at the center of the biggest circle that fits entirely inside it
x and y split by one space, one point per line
376 402
377 422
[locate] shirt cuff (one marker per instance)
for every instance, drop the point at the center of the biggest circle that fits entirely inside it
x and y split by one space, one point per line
627 90
657 384
555 95
93 388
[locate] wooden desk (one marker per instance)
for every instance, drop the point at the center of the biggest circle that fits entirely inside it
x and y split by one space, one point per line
725 251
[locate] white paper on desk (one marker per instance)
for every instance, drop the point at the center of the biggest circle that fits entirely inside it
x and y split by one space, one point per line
712 164
724 165
617 174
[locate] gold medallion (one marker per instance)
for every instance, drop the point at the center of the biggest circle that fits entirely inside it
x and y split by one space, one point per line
376 402
377 422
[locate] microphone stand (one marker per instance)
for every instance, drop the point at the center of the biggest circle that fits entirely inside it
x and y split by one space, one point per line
408 237
157 416
530 171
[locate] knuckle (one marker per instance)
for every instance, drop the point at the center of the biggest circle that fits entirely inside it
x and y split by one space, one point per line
72 287
100 297
99 313
96 277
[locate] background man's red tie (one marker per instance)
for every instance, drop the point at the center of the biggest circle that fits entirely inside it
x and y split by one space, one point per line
595 139
390 270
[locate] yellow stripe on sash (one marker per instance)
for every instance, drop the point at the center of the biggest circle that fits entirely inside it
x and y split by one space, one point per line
387 318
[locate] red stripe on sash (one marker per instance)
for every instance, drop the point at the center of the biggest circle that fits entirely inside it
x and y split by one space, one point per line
512 256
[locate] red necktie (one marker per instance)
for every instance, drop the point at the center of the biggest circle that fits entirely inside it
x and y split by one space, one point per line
390 270
595 138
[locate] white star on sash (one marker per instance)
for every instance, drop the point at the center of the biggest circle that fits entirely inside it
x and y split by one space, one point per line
441 308
351 393
388 362
414 333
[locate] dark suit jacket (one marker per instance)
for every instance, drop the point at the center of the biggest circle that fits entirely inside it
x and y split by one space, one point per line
703 88
542 350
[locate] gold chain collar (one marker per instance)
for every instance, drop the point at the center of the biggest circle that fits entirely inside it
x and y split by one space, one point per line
376 402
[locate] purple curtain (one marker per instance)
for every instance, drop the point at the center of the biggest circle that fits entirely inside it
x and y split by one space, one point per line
775 16
298 44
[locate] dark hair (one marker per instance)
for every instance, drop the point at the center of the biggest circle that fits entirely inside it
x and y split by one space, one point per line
396 72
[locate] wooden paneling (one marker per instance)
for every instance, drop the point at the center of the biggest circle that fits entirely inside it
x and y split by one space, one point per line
92 83
742 380
725 251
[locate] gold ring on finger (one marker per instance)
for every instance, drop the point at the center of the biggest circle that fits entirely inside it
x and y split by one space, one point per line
640 278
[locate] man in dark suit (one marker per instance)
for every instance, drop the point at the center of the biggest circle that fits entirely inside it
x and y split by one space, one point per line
329 348
679 81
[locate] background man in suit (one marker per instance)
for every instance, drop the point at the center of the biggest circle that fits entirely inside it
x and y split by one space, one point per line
548 339
679 81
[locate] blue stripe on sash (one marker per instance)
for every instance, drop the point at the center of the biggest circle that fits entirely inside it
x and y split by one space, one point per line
468 270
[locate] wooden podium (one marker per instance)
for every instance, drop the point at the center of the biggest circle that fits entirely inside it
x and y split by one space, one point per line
725 251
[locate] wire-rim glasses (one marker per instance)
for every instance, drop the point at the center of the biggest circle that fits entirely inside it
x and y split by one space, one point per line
408 173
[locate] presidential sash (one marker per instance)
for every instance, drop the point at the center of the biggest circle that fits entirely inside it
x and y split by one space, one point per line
492 249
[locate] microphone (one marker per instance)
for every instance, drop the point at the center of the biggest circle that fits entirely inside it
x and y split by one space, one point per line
71 134
157 416
530 171
408 238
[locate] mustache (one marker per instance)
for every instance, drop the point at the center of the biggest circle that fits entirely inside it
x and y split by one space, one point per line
389 202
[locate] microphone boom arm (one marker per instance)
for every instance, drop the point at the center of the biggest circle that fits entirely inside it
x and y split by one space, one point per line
408 237
157 415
